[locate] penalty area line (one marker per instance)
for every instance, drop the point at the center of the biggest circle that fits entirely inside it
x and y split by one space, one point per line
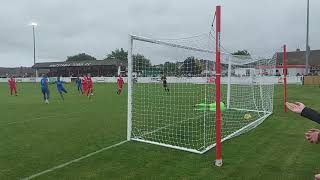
34 119
73 161
37 118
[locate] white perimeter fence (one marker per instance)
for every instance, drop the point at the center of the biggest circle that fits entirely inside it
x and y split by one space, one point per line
196 80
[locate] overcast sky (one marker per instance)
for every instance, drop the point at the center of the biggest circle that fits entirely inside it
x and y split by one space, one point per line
97 27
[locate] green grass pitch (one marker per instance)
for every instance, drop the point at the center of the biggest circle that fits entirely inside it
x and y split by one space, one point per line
171 118
35 137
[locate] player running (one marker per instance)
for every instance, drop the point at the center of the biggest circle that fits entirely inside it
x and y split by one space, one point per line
13 86
45 89
164 82
60 87
120 83
79 85
90 86
84 84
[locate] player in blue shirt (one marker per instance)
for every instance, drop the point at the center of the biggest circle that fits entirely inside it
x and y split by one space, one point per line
79 85
60 87
45 89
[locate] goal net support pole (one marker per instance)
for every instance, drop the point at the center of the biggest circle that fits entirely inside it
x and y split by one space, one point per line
229 83
285 76
130 63
218 161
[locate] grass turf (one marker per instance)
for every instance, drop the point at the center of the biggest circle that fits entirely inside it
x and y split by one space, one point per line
36 136
171 118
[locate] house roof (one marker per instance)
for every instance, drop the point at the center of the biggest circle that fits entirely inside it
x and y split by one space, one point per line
110 62
299 57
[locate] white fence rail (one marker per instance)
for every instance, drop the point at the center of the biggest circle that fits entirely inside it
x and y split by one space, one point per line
197 80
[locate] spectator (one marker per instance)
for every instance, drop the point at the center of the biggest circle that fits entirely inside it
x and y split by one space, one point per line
313 135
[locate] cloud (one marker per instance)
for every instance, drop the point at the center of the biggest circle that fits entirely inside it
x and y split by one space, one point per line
97 27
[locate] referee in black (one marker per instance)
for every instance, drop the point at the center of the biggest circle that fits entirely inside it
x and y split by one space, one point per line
164 82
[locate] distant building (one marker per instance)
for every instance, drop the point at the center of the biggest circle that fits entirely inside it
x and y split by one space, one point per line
17 72
296 62
106 68
243 71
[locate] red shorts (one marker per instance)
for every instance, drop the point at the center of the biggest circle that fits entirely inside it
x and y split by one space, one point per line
13 88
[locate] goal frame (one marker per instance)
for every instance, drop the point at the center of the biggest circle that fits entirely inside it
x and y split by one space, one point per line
130 90
218 116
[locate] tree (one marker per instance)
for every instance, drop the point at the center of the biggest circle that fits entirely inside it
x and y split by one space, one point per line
241 53
81 57
118 54
170 68
140 62
191 66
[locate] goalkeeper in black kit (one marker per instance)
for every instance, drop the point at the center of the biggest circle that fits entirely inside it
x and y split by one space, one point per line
164 82
313 135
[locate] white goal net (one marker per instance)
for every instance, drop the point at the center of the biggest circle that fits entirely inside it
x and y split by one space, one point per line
172 93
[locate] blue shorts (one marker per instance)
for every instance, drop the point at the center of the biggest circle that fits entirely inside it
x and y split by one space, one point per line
45 90
60 90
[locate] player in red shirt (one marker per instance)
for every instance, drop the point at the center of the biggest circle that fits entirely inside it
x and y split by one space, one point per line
84 84
12 85
90 86
120 83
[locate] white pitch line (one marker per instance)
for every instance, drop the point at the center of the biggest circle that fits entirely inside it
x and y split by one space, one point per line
37 118
73 161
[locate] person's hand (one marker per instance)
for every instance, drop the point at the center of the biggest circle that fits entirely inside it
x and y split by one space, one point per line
295 107
313 136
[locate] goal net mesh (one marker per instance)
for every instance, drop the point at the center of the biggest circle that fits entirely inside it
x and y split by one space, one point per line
173 92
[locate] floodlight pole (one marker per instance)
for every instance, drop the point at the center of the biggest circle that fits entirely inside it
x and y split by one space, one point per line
34 49
307 42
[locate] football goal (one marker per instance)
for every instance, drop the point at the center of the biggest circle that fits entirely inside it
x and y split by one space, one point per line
184 95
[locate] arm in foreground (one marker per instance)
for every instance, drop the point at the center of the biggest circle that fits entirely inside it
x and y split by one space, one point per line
304 111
